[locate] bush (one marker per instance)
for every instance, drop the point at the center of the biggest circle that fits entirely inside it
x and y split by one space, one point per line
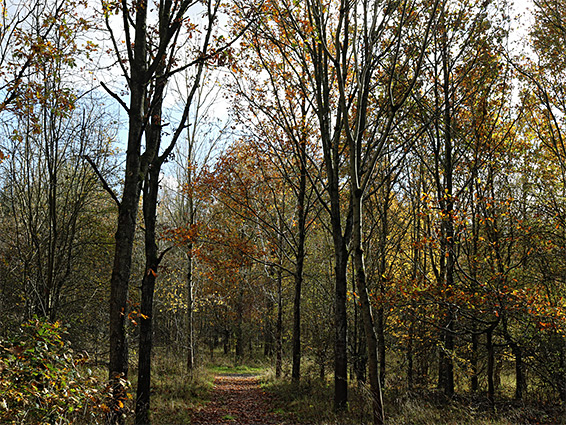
43 382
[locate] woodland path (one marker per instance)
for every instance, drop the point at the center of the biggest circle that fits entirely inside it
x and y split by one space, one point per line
237 399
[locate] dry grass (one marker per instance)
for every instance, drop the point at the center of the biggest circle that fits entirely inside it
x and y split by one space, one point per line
174 391
310 402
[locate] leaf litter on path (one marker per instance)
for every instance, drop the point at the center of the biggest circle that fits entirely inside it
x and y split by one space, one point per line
237 399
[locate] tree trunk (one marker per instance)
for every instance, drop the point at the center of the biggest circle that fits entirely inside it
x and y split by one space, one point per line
299 259
150 196
381 345
410 367
127 213
118 360
474 362
296 371
190 301
341 325
446 365
446 200
147 291
279 326
268 329
360 361
239 323
226 345
520 382
490 367
371 339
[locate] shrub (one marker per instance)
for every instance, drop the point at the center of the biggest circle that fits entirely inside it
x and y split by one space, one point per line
43 382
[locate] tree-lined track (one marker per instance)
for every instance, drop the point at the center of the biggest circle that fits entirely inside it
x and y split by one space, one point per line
238 399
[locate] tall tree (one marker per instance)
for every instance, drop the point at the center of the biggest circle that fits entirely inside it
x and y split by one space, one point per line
345 60
276 111
147 59
46 122
451 91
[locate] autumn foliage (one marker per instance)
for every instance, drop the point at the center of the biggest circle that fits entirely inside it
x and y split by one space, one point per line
44 381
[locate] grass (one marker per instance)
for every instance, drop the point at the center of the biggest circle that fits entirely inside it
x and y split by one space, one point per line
236 369
175 392
310 402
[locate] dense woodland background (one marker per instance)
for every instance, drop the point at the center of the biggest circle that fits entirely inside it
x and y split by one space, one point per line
360 193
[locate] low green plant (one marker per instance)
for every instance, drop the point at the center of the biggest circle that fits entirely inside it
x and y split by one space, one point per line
42 381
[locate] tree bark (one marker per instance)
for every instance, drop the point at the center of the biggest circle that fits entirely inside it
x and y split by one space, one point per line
366 311
299 259
147 291
410 367
279 326
127 214
190 330
341 325
268 328
490 367
296 370
520 382
239 323
474 362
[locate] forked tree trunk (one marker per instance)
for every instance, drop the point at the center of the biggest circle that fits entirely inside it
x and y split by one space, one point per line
127 214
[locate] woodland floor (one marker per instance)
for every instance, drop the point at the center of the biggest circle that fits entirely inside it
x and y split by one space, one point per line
238 399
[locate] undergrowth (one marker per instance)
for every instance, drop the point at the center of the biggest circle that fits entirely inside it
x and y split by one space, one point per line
175 392
42 380
310 402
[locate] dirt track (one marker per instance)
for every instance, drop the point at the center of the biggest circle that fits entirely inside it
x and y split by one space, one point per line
238 399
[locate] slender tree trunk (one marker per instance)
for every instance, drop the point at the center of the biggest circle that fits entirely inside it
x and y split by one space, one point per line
410 367
490 367
190 302
118 360
239 323
382 273
147 291
360 362
341 325
150 195
279 326
371 339
474 362
381 346
444 179
296 371
449 363
268 329
226 345
520 382
300 258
